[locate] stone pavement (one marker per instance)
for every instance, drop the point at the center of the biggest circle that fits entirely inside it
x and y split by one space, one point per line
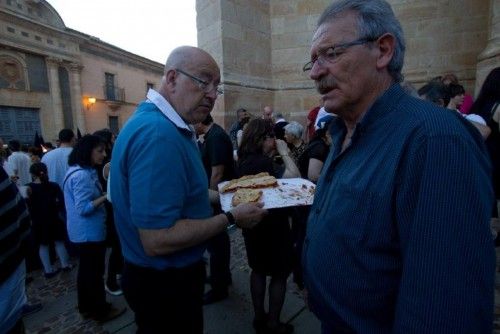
231 316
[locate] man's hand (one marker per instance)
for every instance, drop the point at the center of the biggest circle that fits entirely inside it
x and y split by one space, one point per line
247 215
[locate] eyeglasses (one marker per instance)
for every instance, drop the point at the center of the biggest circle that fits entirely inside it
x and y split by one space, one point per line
205 86
332 53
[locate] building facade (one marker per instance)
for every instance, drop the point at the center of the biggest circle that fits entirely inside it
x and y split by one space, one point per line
262 45
53 77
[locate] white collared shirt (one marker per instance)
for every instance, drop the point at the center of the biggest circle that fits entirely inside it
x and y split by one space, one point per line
166 108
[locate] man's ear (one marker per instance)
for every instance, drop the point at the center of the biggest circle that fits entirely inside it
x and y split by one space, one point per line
170 78
386 44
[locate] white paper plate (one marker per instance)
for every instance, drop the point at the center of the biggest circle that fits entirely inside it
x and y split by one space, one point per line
290 192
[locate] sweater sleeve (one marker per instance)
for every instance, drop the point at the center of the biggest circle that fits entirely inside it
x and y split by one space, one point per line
83 192
443 205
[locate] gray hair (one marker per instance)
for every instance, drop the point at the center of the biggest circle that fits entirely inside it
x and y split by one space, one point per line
295 129
375 18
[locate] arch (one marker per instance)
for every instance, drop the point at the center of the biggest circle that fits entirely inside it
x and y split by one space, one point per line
13 71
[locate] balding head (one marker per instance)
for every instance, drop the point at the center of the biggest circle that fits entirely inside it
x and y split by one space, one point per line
183 56
190 83
267 113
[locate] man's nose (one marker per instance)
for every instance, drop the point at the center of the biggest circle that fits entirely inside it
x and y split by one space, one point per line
317 70
212 94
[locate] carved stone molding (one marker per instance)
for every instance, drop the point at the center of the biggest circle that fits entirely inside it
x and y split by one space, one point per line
75 67
53 61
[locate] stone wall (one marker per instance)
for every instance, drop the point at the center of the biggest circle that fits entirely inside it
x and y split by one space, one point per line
262 46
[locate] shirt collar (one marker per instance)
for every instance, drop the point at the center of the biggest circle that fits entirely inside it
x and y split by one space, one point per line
382 105
166 108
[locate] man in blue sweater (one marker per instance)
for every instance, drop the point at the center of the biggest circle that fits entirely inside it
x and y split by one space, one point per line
398 238
161 199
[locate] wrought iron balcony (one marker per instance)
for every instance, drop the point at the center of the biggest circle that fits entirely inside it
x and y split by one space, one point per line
114 94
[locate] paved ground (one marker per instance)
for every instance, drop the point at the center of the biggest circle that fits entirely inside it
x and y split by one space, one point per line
233 315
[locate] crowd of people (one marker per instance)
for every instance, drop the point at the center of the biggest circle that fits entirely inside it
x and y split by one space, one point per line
398 238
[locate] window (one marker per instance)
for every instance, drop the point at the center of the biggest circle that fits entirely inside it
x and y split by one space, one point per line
49 41
109 85
113 124
25 34
149 86
10 29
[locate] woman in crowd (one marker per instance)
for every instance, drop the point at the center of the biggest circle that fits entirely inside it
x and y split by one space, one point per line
46 206
487 106
293 136
456 94
269 244
86 222
311 161
466 103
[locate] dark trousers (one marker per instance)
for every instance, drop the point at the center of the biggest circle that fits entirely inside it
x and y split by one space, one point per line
165 301
115 263
18 328
90 279
219 248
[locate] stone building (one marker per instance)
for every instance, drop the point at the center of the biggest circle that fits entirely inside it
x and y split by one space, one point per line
261 46
53 77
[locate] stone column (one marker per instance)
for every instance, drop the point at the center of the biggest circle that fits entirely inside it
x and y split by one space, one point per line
490 57
55 93
75 71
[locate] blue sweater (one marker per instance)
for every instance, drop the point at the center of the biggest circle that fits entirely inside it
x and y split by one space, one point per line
398 239
86 223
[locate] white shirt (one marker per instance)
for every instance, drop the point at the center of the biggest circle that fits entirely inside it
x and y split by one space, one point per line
475 118
167 110
19 165
57 164
321 113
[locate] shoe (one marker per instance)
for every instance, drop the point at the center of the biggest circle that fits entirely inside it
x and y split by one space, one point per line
113 313
52 274
113 289
30 309
68 268
214 296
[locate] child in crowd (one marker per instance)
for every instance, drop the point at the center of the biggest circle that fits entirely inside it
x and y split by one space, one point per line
46 205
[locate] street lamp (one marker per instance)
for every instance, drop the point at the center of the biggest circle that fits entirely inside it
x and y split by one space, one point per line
90 102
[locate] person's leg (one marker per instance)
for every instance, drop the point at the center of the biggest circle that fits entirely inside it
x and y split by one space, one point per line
219 248
189 305
167 301
62 253
277 290
90 284
258 292
115 265
43 252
